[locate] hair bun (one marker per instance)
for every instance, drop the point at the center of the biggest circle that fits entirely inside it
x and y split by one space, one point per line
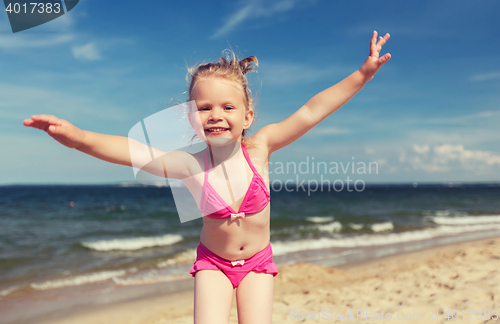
245 64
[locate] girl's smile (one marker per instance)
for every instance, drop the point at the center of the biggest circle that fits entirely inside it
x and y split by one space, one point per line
216 130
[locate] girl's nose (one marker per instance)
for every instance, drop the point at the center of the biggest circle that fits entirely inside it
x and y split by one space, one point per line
215 114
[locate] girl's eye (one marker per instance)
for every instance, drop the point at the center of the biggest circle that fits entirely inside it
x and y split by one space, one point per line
204 109
228 108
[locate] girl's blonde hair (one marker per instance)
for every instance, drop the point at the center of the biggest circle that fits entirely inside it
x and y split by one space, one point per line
229 68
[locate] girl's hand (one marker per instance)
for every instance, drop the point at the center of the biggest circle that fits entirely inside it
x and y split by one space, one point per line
60 130
374 62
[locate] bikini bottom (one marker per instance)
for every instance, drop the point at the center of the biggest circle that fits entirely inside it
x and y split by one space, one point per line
235 270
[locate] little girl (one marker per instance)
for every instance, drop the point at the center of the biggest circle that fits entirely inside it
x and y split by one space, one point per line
234 251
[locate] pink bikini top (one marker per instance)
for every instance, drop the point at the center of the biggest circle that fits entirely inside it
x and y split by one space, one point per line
256 198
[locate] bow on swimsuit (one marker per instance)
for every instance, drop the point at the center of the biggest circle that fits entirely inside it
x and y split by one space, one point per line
212 205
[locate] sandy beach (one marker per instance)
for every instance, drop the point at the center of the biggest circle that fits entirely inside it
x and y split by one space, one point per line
460 280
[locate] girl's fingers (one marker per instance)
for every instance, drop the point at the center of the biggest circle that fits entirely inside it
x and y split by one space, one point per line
52 130
374 39
34 124
46 118
384 58
43 121
42 125
376 46
384 39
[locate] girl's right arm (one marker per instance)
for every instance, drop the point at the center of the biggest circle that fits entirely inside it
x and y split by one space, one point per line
110 148
324 103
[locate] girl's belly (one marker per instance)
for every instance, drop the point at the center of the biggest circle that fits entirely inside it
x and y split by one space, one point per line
238 239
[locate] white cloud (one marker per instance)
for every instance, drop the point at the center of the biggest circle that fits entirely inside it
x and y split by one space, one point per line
487 115
381 162
288 73
92 50
457 152
62 22
234 20
448 157
400 159
421 148
86 52
20 102
37 41
471 136
495 75
251 10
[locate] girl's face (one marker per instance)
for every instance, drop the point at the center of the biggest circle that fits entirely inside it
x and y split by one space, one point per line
221 109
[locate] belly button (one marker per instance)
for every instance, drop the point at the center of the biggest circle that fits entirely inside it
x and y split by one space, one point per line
241 248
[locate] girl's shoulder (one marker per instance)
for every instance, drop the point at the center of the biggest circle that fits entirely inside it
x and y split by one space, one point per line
177 164
195 161
256 147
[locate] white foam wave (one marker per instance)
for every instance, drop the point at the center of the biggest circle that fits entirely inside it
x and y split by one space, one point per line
381 227
356 227
8 291
135 243
332 227
188 256
149 280
79 280
319 219
466 220
442 213
280 248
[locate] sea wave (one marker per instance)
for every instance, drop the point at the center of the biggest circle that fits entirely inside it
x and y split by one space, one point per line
135 243
280 248
149 280
382 227
332 227
319 219
356 227
188 256
465 220
78 280
8 291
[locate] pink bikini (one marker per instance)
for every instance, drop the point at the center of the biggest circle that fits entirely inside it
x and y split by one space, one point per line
235 270
212 205
256 198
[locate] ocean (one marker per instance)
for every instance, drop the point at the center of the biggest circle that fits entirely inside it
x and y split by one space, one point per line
74 236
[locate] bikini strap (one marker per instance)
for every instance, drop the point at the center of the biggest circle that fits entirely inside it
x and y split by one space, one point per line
206 164
245 153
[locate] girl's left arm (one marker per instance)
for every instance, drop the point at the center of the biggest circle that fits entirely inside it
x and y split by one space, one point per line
326 102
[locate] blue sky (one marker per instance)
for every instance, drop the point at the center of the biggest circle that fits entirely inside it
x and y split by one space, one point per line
431 114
